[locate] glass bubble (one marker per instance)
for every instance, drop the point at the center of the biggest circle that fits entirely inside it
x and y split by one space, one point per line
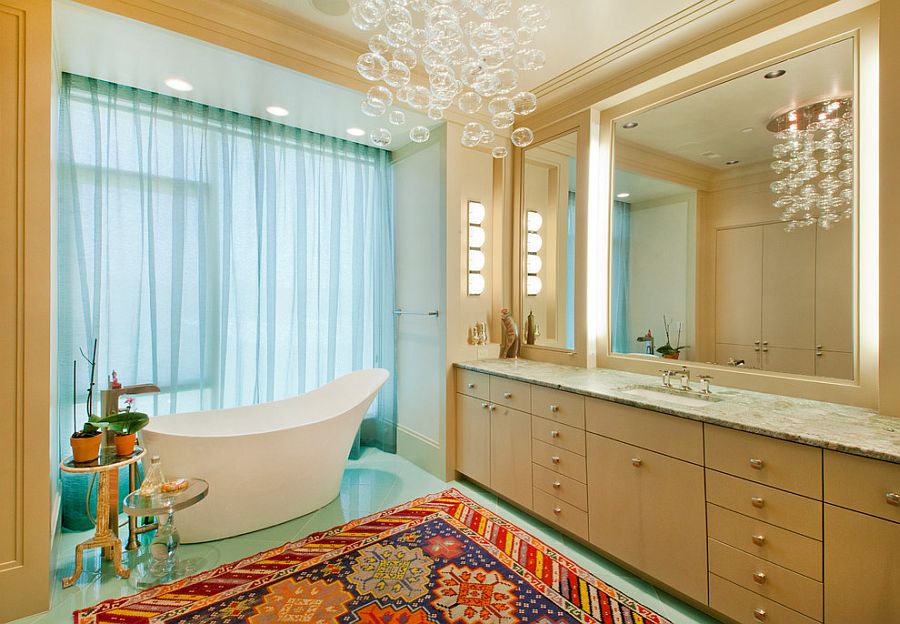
509 80
491 9
473 128
435 113
403 93
486 84
367 14
492 57
469 71
419 134
380 45
442 80
503 120
381 137
397 19
397 117
372 108
420 98
487 136
483 36
522 137
441 13
417 38
407 56
525 35
380 94
371 66
397 74
444 37
523 103
498 105
533 15
469 103
499 152
468 140
530 59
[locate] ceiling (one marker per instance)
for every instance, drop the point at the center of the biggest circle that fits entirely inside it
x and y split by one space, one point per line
139 55
578 30
642 188
728 121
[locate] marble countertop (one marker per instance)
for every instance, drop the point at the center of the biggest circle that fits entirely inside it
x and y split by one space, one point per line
827 425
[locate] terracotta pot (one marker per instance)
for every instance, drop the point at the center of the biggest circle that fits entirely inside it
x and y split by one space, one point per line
125 443
672 356
86 449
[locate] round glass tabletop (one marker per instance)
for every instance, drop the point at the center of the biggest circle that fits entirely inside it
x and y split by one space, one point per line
108 460
136 504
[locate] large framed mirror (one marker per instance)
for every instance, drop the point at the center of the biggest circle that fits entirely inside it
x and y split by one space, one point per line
734 221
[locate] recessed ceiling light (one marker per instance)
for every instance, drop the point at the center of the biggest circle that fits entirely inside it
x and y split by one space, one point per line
732 162
630 125
356 132
711 155
778 73
278 111
623 195
746 130
179 85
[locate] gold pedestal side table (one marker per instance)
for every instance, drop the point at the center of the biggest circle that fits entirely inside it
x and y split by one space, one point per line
106 466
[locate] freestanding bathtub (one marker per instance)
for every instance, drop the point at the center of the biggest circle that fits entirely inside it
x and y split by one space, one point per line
266 463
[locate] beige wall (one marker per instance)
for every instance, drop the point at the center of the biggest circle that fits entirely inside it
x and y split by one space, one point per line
25 252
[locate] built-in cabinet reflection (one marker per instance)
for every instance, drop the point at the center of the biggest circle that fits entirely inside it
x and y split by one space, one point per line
733 222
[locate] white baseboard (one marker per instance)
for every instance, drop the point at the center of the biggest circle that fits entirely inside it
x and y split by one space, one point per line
422 451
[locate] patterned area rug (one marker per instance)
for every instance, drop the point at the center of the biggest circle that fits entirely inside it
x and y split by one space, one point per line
438 559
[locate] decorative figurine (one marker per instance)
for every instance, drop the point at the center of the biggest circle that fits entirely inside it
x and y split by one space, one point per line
530 328
481 332
509 341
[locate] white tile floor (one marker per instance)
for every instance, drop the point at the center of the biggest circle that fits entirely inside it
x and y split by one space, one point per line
374 482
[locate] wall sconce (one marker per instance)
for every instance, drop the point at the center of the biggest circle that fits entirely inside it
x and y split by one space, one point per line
533 244
477 238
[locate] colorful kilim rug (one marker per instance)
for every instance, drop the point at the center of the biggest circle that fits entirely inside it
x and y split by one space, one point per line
438 559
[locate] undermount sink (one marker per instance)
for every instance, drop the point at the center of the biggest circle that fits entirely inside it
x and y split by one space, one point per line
678 397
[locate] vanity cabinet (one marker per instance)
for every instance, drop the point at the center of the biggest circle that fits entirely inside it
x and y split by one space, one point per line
759 529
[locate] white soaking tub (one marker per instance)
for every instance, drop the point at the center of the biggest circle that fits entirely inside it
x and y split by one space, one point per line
266 463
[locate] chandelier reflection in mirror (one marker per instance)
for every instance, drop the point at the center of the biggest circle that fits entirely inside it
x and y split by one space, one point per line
472 51
814 162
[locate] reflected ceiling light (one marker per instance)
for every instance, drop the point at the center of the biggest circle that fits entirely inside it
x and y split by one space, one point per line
178 84
711 155
746 130
778 73
623 195
357 132
278 111
630 125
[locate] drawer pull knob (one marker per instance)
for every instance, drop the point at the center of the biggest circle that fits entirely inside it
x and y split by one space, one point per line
759 577
507 395
470 386
554 408
484 405
554 434
759 615
756 463
637 462
557 485
758 502
555 459
892 498
759 540
557 510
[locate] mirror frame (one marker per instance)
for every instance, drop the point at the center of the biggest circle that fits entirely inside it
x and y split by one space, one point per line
862 28
583 353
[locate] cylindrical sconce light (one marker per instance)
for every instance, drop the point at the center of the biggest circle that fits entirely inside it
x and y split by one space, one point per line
476 239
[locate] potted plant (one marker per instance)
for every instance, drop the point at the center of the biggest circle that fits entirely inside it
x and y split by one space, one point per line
86 441
667 350
125 425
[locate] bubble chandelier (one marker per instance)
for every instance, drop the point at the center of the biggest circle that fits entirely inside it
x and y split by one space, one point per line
814 159
473 53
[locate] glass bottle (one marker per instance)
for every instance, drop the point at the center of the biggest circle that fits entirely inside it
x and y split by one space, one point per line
153 479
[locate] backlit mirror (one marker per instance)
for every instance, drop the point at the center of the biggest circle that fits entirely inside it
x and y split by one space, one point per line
548 203
733 222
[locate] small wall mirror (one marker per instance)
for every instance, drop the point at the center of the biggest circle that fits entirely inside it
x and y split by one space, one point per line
733 222
548 202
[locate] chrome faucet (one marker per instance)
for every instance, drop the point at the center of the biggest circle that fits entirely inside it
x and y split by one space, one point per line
704 384
109 398
685 378
666 377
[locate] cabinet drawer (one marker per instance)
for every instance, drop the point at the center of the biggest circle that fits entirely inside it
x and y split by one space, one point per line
746 607
766 579
867 485
558 405
561 486
767 541
473 384
559 460
669 435
557 434
567 516
785 465
514 394
790 511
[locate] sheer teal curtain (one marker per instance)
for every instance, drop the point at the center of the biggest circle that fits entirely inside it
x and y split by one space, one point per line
570 269
228 259
621 240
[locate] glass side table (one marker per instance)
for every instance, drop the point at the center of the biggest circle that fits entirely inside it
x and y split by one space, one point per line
162 565
104 536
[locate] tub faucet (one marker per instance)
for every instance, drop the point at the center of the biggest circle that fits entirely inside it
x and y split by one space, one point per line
109 398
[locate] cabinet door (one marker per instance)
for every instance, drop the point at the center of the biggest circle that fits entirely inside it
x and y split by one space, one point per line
835 285
862 569
789 294
648 510
738 285
511 454
473 438
836 364
786 360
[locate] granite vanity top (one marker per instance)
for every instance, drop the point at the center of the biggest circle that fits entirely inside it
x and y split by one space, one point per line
827 425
